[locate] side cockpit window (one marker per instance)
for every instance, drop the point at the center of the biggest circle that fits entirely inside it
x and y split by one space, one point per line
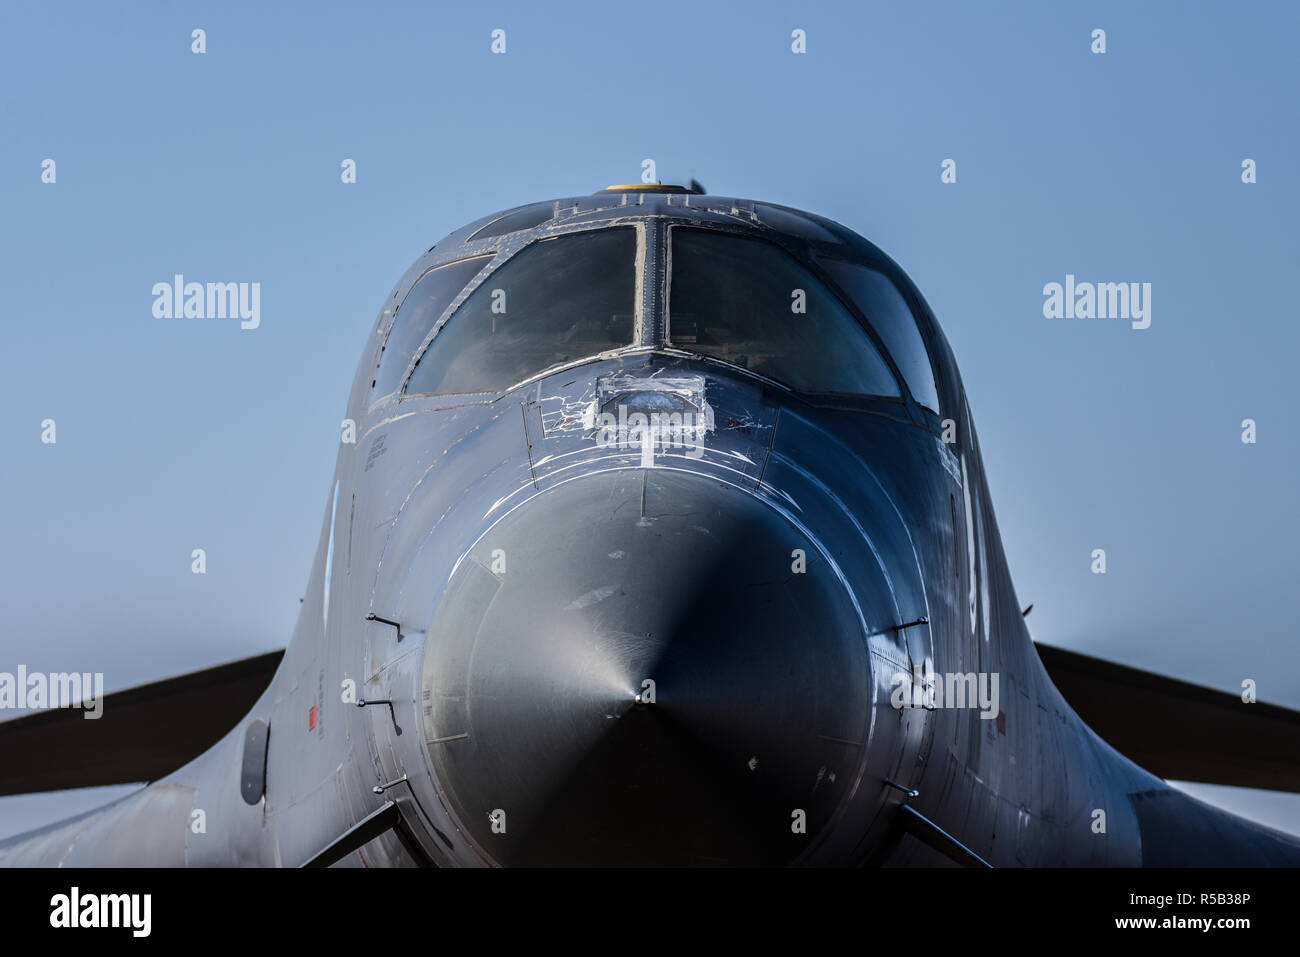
555 301
424 304
750 303
527 217
885 309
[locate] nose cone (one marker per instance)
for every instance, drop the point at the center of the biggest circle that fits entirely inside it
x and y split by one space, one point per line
646 667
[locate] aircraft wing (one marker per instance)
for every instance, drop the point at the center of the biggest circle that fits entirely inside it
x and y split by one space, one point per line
143 734
1175 729
1178 730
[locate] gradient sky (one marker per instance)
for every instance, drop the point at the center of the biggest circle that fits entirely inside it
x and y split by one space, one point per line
225 167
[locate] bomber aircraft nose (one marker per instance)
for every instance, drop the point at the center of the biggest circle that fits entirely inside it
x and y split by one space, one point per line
646 667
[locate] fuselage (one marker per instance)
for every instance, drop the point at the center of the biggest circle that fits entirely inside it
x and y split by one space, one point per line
660 520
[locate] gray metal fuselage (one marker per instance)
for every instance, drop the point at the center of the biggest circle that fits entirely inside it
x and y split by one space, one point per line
510 584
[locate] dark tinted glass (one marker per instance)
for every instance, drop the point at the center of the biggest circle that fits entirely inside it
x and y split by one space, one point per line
739 300
555 301
421 308
885 308
794 224
525 218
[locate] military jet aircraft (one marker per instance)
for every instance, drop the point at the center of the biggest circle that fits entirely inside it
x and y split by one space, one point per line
659 535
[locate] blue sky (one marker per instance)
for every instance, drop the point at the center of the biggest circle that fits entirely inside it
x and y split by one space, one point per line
225 167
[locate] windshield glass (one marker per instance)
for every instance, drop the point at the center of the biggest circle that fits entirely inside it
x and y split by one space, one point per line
748 302
887 311
555 301
422 307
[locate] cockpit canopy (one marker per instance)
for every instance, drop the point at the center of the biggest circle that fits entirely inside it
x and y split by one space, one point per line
553 302
749 303
805 315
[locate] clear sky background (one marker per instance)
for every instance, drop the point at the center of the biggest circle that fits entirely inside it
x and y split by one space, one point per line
1124 167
